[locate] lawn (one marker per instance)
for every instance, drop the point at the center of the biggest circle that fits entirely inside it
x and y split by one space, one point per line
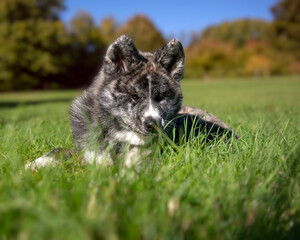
244 190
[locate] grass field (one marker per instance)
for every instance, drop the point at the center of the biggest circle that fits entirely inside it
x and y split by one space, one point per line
249 190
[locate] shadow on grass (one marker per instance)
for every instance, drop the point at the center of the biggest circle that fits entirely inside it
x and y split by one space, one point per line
16 103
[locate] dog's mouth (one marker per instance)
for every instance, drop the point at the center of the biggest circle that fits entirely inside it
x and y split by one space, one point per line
153 131
155 127
148 133
163 126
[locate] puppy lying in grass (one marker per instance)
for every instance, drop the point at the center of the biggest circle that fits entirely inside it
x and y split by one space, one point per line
135 96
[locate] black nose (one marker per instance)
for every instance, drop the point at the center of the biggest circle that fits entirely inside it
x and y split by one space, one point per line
150 124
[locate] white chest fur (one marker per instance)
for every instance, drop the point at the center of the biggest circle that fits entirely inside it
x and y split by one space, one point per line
130 137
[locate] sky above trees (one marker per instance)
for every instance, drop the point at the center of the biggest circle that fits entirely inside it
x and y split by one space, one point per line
173 18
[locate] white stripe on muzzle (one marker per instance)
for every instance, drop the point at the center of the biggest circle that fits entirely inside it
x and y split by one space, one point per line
151 111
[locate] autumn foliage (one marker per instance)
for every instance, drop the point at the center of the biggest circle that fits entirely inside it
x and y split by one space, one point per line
248 47
38 50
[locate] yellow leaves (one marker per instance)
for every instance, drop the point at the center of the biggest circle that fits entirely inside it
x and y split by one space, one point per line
82 27
144 34
42 64
108 29
258 65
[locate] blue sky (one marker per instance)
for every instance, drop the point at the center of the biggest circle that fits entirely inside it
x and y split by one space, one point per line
174 16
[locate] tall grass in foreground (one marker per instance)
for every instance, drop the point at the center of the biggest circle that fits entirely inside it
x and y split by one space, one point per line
243 190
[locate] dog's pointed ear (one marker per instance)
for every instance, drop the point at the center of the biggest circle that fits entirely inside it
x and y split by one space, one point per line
171 57
121 56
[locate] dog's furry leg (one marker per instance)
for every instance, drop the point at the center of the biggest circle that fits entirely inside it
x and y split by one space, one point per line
50 158
91 157
58 155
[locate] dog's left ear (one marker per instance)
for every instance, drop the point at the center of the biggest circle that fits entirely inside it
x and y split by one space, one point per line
171 57
121 56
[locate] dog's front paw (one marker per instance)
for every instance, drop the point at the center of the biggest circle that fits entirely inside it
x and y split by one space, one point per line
40 162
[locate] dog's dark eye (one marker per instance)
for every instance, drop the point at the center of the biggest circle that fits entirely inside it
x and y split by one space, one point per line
135 97
159 98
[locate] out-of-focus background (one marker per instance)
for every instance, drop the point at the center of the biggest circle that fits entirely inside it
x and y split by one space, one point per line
55 44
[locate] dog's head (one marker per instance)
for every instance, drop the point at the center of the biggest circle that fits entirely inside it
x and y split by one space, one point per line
139 89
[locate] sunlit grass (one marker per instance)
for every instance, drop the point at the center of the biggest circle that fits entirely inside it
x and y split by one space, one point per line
243 190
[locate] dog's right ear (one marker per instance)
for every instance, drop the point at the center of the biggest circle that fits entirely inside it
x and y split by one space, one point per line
121 56
171 57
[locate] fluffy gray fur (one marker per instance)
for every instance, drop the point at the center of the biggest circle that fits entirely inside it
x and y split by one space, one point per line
133 92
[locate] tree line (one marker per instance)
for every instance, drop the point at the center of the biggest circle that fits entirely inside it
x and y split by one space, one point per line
39 51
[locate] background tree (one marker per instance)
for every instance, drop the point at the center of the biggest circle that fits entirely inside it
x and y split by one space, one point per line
86 50
31 37
258 65
238 32
285 31
37 50
144 34
209 58
225 50
18 10
108 29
